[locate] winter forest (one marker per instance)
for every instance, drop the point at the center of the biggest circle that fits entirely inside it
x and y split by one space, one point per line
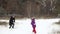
29 16
30 8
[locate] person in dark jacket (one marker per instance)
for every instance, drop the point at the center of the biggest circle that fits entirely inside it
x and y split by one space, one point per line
11 21
33 25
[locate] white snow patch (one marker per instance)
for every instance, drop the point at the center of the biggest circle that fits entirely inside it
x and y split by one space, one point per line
23 26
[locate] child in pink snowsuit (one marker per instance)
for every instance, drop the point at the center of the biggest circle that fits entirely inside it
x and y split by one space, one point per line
33 25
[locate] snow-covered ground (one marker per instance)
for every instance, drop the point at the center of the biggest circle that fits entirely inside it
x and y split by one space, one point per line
23 26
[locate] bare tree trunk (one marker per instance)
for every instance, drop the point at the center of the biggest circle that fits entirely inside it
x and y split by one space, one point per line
29 8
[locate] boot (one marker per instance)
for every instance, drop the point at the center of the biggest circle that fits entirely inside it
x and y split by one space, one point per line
10 27
34 31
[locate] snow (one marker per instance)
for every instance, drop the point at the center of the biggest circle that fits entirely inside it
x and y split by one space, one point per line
23 26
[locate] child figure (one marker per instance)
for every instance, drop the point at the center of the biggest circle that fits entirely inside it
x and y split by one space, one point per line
11 21
33 25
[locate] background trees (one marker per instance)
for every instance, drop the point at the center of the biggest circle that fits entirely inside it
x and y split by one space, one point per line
30 8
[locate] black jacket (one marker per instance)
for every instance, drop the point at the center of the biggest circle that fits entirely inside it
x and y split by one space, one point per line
12 20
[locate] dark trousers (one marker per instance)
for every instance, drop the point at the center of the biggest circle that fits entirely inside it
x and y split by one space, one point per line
11 25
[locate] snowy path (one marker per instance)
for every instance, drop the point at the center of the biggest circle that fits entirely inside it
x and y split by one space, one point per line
23 26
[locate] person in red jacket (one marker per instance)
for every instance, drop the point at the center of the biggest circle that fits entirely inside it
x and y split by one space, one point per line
33 25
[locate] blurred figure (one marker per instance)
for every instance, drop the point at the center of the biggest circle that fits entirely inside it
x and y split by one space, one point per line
11 21
33 25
